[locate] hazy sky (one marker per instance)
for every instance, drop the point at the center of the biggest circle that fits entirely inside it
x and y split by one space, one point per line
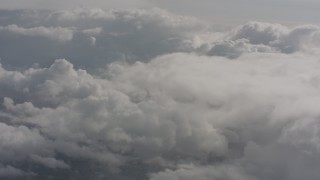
228 10
272 10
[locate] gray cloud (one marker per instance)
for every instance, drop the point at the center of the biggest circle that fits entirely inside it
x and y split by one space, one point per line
10 172
94 37
189 172
233 119
59 34
174 101
265 38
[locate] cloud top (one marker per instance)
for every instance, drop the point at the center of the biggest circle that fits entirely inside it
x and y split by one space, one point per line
137 94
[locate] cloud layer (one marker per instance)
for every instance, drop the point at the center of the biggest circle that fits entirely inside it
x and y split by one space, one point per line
93 37
150 95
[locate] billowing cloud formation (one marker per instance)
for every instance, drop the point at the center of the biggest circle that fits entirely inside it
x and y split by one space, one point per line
93 37
265 37
240 106
252 117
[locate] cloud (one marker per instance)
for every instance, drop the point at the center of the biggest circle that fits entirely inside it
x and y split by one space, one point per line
140 94
9 172
233 49
189 172
258 37
287 40
217 114
49 162
92 38
58 34
260 33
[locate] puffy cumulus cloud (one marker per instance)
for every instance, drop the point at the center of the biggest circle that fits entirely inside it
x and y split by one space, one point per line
152 95
252 118
94 37
300 38
258 37
278 37
233 49
260 33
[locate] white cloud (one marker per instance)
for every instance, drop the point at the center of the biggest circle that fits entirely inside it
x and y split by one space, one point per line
234 49
178 107
242 105
58 33
92 32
